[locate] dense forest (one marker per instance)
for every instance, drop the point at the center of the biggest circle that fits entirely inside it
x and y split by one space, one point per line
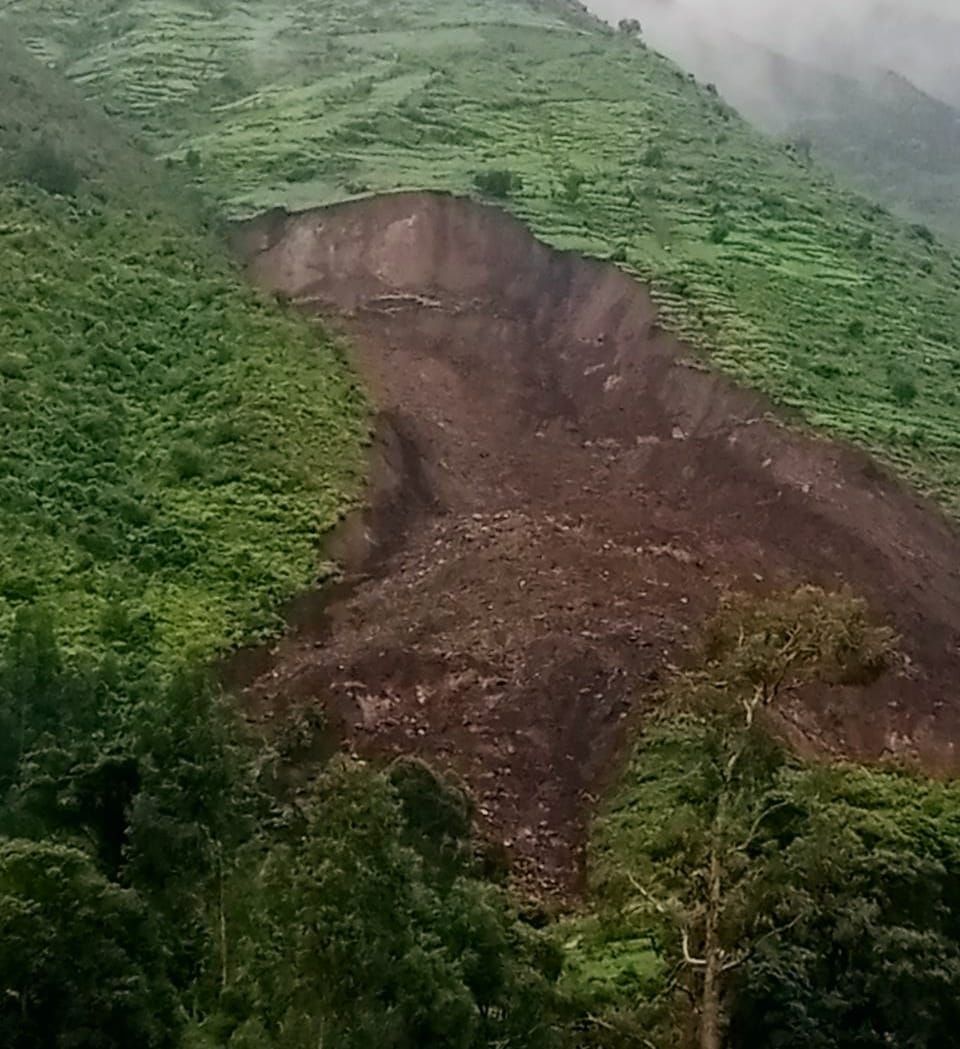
169 879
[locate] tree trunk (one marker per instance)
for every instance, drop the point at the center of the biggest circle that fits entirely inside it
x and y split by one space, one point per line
711 1002
711 1018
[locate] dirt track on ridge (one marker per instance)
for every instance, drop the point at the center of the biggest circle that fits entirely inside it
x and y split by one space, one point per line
560 493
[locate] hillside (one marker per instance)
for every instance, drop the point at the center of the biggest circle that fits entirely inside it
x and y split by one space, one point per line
877 129
566 495
173 446
894 142
789 282
614 729
919 40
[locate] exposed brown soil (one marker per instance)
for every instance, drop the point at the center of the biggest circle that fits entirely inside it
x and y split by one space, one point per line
561 493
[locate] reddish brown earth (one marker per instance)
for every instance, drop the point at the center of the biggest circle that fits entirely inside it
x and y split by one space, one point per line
560 493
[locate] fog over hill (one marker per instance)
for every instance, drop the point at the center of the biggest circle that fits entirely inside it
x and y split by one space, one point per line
875 87
919 39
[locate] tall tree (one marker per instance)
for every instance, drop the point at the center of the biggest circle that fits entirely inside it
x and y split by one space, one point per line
871 889
370 927
79 962
688 842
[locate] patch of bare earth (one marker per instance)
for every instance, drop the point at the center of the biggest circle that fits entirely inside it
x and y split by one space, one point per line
560 494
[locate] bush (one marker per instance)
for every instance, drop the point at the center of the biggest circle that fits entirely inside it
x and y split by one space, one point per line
720 232
46 167
497 183
802 147
572 184
189 461
903 386
13 365
923 233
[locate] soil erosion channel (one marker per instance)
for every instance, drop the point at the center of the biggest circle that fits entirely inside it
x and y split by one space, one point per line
560 494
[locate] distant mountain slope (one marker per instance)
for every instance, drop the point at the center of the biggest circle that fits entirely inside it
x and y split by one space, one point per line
918 39
790 282
172 447
892 140
897 144
919 43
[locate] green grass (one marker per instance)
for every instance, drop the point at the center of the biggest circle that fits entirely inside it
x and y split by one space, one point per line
304 103
605 962
172 447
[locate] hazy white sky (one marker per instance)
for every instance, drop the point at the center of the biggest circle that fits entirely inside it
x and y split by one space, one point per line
919 38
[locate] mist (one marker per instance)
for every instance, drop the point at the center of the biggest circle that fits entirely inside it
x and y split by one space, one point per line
918 39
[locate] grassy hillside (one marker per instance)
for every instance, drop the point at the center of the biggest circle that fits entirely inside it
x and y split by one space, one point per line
791 283
172 447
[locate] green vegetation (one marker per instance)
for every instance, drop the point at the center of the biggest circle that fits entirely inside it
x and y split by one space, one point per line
121 800
174 448
79 956
497 183
297 103
879 131
890 139
168 880
163 882
45 166
790 905
371 927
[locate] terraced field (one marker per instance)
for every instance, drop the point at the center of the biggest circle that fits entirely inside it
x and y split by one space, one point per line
788 282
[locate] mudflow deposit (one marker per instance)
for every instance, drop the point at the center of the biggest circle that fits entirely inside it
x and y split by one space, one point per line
560 493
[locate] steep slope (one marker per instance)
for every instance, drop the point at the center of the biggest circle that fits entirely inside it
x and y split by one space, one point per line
173 446
562 495
789 282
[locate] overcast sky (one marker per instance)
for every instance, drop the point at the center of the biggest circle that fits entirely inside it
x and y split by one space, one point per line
919 38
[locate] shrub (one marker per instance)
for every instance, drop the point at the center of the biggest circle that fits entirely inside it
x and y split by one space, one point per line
856 329
13 365
52 171
923 233
188 460
497 182
572 184
802 146
720 232
903 386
